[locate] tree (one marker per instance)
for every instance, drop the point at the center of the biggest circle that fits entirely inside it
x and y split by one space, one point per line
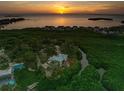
30 59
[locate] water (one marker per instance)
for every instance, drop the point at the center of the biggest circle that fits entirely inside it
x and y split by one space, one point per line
65 20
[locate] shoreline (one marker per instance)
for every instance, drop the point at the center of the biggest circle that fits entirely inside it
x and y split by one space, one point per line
61 27
116 30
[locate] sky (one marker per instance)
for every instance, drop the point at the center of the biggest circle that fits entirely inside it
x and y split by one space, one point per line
61 7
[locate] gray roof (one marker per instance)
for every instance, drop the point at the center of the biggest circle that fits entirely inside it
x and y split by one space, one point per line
58 58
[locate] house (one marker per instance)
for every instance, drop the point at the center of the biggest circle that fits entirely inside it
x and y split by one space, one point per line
6 76
58 58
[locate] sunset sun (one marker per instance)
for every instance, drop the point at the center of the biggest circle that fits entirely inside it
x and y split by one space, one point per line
61 12
61 9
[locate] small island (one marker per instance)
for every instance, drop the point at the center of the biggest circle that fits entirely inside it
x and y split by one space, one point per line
95 19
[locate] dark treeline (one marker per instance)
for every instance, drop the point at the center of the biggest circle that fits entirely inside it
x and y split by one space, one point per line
61 28
115 30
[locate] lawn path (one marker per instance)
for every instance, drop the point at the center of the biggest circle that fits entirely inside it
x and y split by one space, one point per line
84 61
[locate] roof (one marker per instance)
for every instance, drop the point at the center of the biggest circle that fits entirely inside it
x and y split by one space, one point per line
58 58
5 72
